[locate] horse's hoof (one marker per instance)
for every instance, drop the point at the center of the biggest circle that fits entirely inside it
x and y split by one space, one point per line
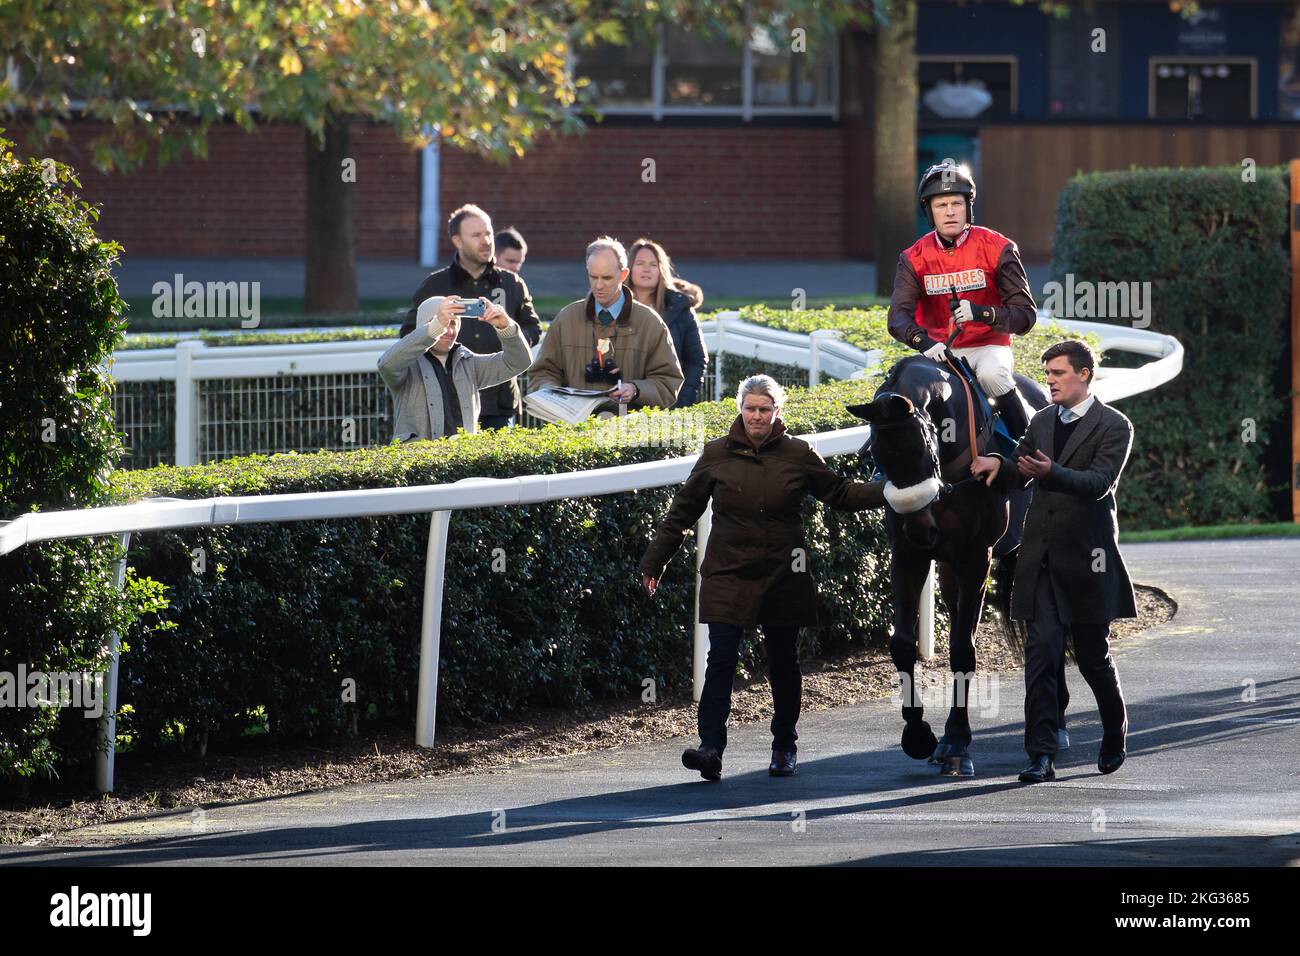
919 741
957 765
942 751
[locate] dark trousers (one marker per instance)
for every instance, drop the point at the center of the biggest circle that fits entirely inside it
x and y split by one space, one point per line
782 642
495 421
1044 672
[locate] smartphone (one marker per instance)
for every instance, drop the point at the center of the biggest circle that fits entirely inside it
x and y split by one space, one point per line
474 308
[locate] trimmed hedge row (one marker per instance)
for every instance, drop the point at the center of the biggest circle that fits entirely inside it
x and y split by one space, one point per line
1214 248
290 337
543 603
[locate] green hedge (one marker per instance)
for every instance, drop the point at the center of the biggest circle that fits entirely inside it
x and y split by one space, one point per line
61 317
283 614
288 337
1214 249
867 329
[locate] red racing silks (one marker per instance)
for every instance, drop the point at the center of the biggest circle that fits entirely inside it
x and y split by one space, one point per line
971 268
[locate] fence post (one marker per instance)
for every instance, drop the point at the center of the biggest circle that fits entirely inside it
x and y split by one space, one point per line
717 360
815 353
106 740
700 657
925 632
187 410
435 564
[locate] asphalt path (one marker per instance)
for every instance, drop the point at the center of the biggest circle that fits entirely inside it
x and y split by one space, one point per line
1211 777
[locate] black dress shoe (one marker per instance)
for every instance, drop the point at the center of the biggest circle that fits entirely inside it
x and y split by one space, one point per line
1040 769
783 762
1109 762
704 759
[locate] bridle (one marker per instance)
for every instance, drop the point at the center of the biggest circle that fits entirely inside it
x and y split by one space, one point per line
929 434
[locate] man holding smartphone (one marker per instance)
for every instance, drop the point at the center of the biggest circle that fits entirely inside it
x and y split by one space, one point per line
474 273
1070 578
435 380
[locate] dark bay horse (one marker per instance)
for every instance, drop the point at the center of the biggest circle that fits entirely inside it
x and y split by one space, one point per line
920 441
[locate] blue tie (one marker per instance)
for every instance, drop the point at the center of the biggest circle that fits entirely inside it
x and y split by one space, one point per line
1067 416
605 317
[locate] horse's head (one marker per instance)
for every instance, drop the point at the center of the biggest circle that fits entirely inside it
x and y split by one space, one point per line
904 445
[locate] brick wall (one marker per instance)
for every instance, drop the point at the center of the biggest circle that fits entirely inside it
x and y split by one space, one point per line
248 197
718 192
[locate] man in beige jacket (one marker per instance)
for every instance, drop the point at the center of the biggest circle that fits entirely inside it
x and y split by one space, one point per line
609 340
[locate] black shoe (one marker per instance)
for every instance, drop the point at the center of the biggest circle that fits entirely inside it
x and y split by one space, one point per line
704 759
1109 762
1040 769
783 762
1062 740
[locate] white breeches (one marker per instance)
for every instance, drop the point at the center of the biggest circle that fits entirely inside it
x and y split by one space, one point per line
993 365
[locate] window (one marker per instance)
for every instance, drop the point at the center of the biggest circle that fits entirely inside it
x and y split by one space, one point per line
776 72
701 72
966 88
785 77
1081 84
620 75
1201 88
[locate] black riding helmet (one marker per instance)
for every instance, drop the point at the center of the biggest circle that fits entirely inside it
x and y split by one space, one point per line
944 178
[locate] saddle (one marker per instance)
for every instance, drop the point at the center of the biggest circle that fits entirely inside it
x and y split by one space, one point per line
989 423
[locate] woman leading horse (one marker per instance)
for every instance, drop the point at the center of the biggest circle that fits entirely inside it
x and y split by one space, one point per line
755 569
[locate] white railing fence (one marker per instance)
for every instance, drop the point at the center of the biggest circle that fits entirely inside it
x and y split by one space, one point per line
728 334
192 403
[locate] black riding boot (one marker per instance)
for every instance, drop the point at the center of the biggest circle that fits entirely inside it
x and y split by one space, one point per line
1012 410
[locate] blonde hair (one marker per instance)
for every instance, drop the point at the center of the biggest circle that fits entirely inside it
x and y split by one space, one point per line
760 385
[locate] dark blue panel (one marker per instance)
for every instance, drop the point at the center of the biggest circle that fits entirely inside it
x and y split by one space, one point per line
1147 29
980 29
1241 29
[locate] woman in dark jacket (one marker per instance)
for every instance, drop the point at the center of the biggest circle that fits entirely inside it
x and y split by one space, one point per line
755 569
676 300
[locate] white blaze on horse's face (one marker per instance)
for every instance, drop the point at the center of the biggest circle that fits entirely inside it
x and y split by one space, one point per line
913 498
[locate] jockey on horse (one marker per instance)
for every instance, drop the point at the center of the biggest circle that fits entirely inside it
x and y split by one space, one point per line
963 286
934 514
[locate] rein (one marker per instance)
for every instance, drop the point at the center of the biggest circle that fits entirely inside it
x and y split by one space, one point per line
946 488
970 398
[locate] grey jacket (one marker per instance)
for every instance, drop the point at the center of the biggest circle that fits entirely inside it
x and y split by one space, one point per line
1071 519
417 397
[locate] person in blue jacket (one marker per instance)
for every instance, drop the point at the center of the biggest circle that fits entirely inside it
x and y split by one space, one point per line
676 300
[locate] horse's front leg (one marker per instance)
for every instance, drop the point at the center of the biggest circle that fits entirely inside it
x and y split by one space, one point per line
970 578
906 578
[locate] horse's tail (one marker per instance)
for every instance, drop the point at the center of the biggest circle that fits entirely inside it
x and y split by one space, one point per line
1013 632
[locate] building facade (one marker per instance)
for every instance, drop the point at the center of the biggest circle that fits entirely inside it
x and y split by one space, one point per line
766 150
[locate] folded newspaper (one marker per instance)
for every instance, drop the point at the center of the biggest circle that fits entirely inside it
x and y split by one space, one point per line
561 403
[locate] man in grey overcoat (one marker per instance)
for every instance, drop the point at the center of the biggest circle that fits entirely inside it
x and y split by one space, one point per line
1070 577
